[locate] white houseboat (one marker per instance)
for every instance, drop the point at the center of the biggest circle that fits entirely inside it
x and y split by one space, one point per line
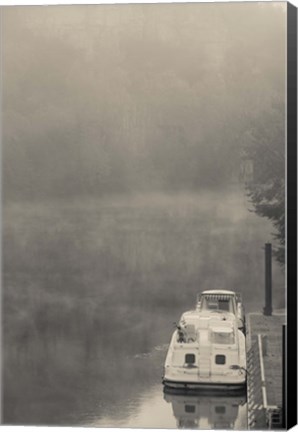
207 350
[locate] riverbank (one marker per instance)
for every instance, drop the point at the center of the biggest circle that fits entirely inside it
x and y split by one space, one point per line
271 328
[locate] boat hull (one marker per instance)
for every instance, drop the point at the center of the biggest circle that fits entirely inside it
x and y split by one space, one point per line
179 385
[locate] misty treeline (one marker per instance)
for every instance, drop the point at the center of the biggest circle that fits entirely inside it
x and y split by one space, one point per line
266 148
123 98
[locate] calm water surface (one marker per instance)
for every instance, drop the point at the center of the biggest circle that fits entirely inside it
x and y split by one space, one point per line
90 293
156 409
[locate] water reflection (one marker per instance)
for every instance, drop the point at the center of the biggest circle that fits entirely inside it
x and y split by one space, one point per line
155 409
208 411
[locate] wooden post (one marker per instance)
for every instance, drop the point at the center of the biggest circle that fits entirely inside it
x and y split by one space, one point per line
268 280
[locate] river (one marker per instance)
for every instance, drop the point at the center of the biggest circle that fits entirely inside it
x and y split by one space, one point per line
91 289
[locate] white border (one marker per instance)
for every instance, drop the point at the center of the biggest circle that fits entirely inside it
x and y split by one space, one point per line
95 2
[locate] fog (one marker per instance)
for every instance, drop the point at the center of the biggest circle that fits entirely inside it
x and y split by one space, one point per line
123 135
121 98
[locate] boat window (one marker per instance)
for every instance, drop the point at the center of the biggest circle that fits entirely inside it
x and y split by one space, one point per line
223 303
190 358
222 337
209 304
220 409
220 359
190 408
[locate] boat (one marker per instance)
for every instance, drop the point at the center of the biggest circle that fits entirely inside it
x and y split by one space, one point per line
207 348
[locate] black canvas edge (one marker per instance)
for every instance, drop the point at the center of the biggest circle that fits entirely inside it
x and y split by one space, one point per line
290 372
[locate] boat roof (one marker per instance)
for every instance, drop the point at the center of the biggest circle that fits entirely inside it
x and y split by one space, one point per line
226 319
195 313
219 292
222 329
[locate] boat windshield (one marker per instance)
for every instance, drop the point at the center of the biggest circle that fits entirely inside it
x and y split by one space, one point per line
213 303
222 337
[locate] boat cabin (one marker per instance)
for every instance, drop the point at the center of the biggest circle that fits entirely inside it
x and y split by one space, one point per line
222 301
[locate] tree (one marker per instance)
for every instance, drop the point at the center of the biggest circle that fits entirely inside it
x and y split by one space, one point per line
265 146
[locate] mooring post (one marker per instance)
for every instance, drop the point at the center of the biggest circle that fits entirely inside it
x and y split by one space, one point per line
268 279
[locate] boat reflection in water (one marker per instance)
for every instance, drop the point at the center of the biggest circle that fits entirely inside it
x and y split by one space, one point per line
208 411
